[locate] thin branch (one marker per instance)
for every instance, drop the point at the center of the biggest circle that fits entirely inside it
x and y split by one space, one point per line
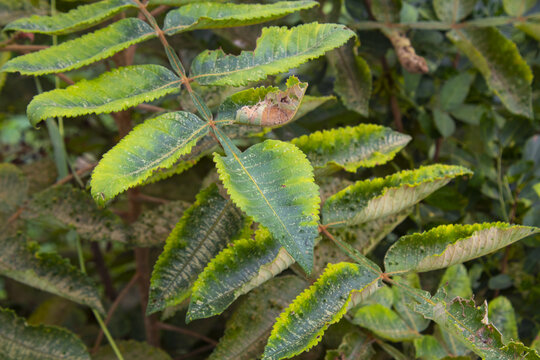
187 332
23 48
152 108
79 172
195 352
113 308
159 10
65 78
152 199
103 271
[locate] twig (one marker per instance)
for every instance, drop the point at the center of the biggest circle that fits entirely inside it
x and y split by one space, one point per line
152 199
79 172
149 107
65 79
195 352
187 332
113 308
438 144
96 314
159 10
102 271
23 48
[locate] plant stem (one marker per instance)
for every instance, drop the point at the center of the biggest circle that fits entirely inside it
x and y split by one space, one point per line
96 314
500 186
57 141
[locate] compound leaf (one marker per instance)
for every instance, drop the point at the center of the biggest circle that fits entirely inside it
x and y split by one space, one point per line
447 245
278 50
19 341
242 266
67 207
499 61
273 183
113 91
349 148
83 50
79 18
302 324
155 144
22 262
204 230
208 15
263 106
249 327
370 199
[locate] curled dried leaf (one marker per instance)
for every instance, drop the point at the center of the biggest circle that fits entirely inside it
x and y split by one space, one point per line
407 55
276 108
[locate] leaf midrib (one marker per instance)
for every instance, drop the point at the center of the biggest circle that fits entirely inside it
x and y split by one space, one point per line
175 149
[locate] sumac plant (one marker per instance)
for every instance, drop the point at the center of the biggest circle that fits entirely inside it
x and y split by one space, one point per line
277 203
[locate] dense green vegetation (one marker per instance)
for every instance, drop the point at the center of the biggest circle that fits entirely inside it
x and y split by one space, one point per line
332 179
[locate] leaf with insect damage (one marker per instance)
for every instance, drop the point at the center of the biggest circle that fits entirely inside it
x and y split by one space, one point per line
263 106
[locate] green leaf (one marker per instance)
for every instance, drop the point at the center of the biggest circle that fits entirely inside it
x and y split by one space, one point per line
132 350
263 106
499 61
208 15
22 262
13 189
155 144
302 324
531 28
429 348
273 183
456 282
453 11
470 324
241 267
204 230
310 103
444 123
503 317
387 10
77 19
113 91
402 305
249 327
517 7
278 50
447 245
19 341
349 148
354 346
384 322
455 90
353 79
153 226
83 50
67 207
370 199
